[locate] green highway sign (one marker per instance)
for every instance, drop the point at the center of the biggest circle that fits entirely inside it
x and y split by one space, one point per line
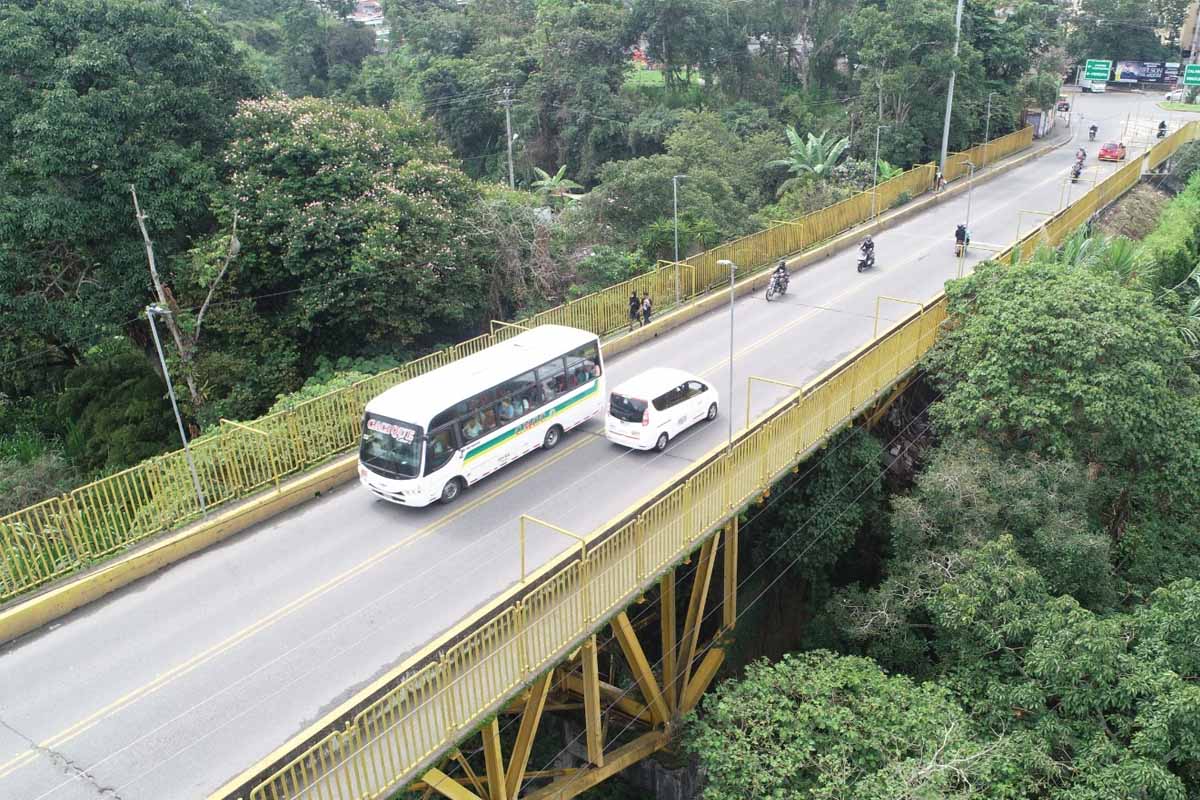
1097 69
1191 75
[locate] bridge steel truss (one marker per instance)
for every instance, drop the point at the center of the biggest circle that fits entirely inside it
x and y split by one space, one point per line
535 647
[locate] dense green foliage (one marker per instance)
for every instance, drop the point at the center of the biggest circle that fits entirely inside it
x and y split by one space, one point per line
1032 630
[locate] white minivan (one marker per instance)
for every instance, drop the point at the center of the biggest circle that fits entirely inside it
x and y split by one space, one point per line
653 408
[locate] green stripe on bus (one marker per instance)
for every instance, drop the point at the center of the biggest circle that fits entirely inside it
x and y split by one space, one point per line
536 420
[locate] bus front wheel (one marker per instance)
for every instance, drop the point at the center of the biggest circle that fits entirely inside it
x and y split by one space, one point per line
452 490
552 437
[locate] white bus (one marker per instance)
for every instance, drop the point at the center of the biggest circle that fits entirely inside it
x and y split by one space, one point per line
430 437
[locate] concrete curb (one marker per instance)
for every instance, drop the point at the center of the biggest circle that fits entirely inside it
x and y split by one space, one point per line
45 606
49 604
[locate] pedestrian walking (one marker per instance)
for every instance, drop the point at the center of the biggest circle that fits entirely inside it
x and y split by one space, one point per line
635 309
939 182
647 308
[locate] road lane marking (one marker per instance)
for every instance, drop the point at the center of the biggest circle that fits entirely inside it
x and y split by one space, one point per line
188 666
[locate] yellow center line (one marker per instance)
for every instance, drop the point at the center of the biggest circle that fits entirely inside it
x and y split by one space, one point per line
191 664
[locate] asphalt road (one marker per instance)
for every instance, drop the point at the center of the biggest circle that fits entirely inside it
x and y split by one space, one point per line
175 684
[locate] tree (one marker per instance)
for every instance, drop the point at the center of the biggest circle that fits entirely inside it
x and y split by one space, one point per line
1119 30
813 157
681 34
357 237
164 82
817 725
120 407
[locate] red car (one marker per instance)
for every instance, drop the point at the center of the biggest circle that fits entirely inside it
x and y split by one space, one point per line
1112 152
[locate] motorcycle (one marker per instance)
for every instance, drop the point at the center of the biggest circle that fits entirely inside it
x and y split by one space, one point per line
778 285
1162 132
1075 171
960 246
1092 134
866 261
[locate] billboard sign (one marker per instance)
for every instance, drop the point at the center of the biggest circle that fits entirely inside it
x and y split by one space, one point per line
1147 72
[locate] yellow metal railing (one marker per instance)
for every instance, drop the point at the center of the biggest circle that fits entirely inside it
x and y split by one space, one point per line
60 535
396 735
387 741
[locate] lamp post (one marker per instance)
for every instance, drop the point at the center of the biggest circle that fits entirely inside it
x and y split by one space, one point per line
987 130
153 311
875 174
970 187
729 412
950 90
675 203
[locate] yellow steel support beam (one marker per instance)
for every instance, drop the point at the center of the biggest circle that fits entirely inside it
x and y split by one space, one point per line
574 785
446 786
615 697
636 658
667 619
591 702
695 613
493 759
529 725
729 602
699 683
469 772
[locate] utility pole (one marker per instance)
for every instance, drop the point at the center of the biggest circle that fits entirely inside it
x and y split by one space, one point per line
987 129
875 174
507 103
950 90
675 204
153 311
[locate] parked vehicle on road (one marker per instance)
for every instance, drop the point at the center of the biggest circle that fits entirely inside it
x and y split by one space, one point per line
1112 151
649 410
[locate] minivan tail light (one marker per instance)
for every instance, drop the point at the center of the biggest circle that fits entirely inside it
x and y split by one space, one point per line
646 416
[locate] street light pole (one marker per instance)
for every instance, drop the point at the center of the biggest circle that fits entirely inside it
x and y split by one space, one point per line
729 411
875 173
950 90
987 131
970 188
675 203
153 311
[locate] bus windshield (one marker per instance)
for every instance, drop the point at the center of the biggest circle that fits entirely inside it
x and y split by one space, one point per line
390 448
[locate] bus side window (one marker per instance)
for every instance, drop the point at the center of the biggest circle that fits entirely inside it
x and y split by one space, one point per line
517 396
548 378
440 447
583 363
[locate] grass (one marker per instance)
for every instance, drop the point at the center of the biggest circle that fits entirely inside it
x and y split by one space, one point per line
646 77
1193 107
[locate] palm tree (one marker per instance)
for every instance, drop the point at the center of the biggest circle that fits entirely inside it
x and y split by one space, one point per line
556 185
813 157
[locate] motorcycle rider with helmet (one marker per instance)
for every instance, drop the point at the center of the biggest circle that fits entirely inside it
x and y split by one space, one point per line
1092 132
961 238
868 254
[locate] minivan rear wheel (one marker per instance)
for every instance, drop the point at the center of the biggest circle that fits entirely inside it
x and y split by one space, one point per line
712 412
661 444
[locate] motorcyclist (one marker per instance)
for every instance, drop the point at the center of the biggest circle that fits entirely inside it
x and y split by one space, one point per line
1076 169
1080 154
961 236
1162 129
868 248
1092 131
781 274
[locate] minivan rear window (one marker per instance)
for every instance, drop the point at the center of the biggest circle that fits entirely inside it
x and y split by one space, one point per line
629 409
